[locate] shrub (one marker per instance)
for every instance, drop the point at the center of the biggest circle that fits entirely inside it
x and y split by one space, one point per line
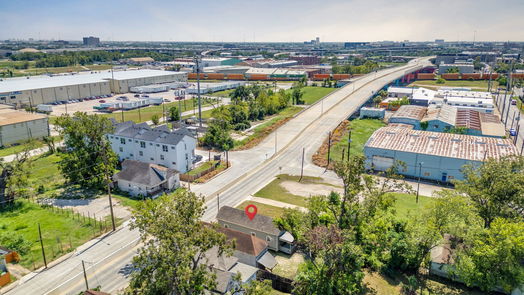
15 241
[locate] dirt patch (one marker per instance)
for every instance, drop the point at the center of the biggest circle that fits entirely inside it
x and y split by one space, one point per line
305 189
262 135
320 157
287 266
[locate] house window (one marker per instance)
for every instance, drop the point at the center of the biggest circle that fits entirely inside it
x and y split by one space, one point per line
268 239
121 149
130 155
253 234
143 144
161 157
130 140
174 163
164 148
111 137
151 159
157 144
150 144
141 153
172 147
122 140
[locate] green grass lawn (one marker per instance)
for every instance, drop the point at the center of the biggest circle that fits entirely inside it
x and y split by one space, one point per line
478 85
361 130
204 166
312 94
205 115
263 209
223 93
406 205
45 171
59 231
14 149
262 130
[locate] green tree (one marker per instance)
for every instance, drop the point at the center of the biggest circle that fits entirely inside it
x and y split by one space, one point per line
495 188
155 119
493 257
453 70
254 287
334 267
173 259
174 114
377 100
15 241
217 136
296 95
441 80
89 160
14 176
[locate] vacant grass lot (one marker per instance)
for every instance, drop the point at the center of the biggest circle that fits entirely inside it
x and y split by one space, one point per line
60 232
312 94
361 130
263 209
263 130
479 85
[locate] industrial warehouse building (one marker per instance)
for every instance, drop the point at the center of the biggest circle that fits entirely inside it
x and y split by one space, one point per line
47 89
19 126
434 156
448 118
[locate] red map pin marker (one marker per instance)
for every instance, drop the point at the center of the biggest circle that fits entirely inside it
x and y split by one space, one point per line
251 211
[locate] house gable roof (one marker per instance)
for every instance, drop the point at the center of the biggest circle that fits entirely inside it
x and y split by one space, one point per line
259 222
143 173
245 243
144 132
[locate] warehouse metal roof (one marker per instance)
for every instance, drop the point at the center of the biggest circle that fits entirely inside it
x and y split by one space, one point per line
467 147
410 112
44 81
10 116
445 113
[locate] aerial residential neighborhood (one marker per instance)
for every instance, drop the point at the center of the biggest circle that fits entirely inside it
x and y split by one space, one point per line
260 148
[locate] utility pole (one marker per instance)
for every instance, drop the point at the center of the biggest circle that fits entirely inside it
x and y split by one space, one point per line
418 182
108 179
329 149
42 245
139 115
85 275
302 169
197 62
349 142
122 114
218 202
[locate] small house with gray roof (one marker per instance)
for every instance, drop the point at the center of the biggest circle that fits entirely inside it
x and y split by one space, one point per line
146 179
260 226
174 149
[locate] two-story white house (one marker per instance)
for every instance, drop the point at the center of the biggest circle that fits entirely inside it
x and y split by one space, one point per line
172 149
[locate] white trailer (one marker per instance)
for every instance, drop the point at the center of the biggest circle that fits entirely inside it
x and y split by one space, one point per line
45 108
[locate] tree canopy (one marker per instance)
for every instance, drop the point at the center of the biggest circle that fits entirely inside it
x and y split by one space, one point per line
173 260
89 159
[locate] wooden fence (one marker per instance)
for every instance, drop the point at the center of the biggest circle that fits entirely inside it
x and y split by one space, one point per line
277 282
191 178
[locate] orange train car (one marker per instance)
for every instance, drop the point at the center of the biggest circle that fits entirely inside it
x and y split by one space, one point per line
425 76
215 76
235 77
517 76
494 76
320 77
451 76
474 76
341 76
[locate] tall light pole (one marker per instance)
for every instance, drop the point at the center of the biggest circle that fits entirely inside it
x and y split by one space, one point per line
197 63
418 182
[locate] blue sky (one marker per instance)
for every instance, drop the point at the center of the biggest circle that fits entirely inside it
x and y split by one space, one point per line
266 20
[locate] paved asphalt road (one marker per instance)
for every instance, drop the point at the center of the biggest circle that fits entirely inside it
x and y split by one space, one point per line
108 259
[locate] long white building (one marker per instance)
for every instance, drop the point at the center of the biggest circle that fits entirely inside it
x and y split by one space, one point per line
46 89
171 149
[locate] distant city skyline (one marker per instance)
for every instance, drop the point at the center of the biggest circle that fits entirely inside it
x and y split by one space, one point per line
263 21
